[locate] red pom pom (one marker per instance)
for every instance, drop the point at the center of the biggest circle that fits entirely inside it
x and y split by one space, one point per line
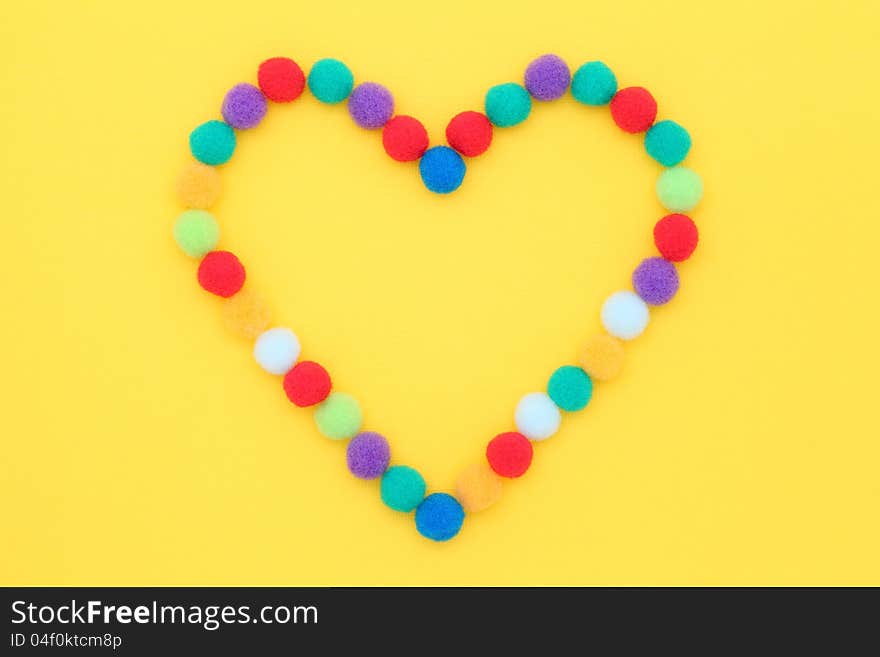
470 133
634 109
404 138
509 454
307 384
281 79
676 237
221 273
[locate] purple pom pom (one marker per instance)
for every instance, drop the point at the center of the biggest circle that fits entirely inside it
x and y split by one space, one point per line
655 281
368 455
244 106
547 77
370 105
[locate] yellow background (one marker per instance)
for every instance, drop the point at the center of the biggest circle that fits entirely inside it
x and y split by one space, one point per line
142 445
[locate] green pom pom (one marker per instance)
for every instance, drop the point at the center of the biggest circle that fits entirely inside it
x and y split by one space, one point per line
593 84
403 489
508 104
339 416
330 81
667 142
570 388
196 232
679 189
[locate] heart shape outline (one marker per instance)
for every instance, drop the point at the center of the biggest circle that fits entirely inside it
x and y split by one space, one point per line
439 516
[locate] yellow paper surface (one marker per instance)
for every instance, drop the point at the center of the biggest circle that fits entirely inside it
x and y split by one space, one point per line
142 444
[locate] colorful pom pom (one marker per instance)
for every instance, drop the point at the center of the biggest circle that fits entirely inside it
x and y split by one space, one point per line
442 169
602 357
655 281
570 388
198 186
307 384
330 81
676 237
244 106
633 109
625 315
370 105
281 79
477 488
367 455
547 77
508 104
212 143
276 350
594 84
404 138
439 517
509 454
537 417
470 133
221 273
339 416
196 232
402 488
679 189
667 142
246 314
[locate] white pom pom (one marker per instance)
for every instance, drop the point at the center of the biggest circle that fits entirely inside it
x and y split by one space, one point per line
625 315
537 417
276 350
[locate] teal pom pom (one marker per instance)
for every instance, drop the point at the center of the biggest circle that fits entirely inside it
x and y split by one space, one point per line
402 488
668 143
330 81
508 104
212 142
593 84
570 388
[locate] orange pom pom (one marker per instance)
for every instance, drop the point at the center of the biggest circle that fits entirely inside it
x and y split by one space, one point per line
602 357
477 488
198 186
246 315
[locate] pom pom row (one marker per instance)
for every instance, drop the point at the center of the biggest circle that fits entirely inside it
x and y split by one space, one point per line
469 133
538 415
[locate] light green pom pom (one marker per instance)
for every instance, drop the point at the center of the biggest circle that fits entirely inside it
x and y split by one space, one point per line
196 232
339 416
679 189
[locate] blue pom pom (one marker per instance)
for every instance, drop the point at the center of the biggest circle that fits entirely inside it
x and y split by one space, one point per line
330 81
439 517
668 143
570 388
594 84
212 142
442 169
